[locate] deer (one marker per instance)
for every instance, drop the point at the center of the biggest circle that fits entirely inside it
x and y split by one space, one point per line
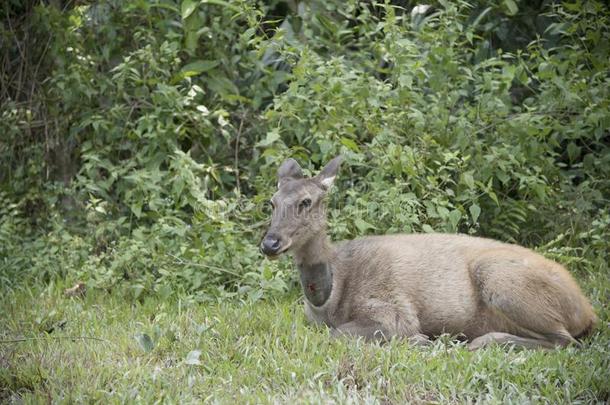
420 286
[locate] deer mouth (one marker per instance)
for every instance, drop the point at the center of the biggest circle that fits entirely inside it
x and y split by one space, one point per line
276 255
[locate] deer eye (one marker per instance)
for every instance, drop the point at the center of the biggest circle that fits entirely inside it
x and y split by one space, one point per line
306 203
268 207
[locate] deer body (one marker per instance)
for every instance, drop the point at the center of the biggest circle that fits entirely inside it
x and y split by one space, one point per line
421 285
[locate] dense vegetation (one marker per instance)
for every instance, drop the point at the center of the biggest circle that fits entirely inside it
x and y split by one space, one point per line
139 139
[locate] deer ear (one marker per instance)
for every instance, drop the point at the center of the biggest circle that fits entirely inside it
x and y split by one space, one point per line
290 169
327 176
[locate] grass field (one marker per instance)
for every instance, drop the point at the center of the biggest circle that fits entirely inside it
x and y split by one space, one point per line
103 348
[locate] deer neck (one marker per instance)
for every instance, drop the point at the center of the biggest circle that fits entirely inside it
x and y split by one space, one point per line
313 260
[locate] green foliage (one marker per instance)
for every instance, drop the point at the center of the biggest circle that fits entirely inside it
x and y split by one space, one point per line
140 140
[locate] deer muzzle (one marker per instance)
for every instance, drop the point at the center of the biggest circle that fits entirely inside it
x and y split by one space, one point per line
271 245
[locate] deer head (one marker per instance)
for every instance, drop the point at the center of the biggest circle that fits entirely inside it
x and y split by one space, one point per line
299 213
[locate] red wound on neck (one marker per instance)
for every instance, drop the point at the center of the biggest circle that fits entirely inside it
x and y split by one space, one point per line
311 287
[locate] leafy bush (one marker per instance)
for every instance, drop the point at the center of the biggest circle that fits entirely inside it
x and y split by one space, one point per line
146 144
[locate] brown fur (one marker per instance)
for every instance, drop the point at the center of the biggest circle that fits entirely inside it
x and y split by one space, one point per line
426 284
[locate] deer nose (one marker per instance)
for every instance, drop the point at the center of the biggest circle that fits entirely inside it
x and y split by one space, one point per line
271 244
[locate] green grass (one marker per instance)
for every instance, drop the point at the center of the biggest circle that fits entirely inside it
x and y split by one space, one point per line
266 352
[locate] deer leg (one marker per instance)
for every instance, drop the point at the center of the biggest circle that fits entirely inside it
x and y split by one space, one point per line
383 321
523 300
369 330
507 338
374 331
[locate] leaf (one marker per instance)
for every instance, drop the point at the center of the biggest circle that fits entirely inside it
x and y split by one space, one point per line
350 144
511 6
223 4
468 180
427 228
443 212
475 211
454 218
164 292
222 85
480 18
362 225
164 6
502 176
198 67
271 137
203 110
494 197
573 151
137 290
194 68
188 6
192 358
136 208
145 342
